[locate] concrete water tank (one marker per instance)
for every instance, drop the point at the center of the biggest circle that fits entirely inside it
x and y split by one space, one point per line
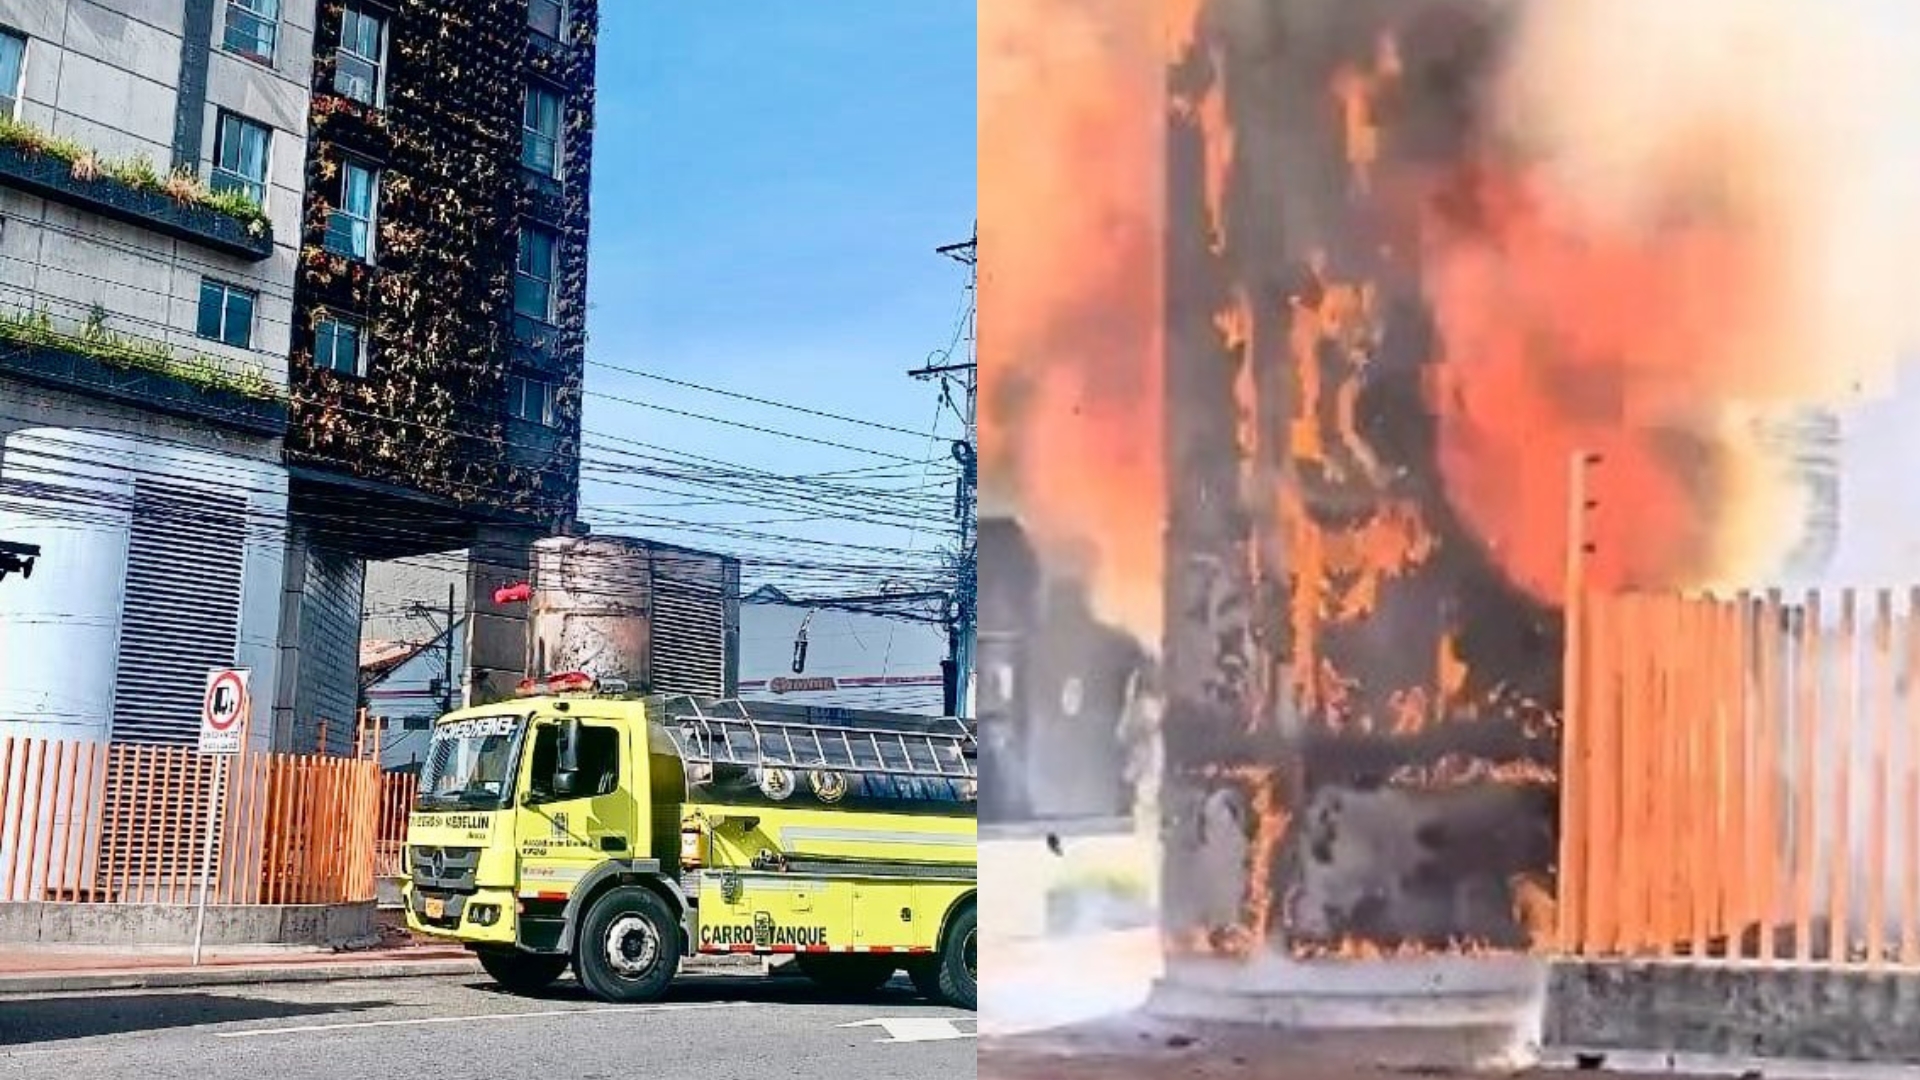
71 494
658 617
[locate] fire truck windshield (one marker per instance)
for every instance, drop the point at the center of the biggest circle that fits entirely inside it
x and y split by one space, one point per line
470 763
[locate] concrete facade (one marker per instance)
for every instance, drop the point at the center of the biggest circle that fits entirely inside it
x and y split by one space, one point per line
159 496
107 74
172 924
1721 1012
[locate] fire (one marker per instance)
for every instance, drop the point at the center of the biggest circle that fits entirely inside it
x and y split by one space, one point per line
1357 948
1071 121
1456 770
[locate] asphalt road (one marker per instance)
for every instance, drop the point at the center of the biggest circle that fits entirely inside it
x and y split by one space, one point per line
710 1028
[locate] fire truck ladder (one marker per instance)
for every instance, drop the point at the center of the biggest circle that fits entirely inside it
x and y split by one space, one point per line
724 733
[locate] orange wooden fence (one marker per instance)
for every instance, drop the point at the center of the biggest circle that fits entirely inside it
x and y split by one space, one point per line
117 822
1742 778
390 831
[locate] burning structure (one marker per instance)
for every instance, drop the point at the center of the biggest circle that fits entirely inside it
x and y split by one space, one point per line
1367 277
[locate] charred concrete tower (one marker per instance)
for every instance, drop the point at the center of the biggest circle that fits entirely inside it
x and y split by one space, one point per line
1360 716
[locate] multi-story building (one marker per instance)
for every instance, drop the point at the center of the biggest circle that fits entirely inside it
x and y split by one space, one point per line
151 176
439 309
284 287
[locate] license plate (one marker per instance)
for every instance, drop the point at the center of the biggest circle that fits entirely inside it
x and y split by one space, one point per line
436 908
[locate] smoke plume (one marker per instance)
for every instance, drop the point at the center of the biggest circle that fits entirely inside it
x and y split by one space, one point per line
1682 220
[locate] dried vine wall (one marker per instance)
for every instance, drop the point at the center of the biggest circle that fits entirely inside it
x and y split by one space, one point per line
429 414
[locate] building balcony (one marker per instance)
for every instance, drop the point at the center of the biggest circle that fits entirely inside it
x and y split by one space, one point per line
536 345
546 196
534 445
68 367
50 176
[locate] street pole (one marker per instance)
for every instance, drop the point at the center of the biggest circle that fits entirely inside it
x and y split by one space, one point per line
206 853
447 691
961 619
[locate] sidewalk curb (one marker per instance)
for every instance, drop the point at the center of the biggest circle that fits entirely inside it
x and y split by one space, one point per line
265 974
15 985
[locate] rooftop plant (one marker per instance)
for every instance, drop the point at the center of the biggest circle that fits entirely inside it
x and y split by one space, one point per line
137 173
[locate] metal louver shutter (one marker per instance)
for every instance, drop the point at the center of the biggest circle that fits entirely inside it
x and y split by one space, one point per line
185 558
689 625
329 691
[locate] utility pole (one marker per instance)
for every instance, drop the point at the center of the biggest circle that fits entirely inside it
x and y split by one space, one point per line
447 695
964 369
448 686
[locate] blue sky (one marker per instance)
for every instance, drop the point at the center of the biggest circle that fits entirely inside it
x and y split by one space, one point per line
769 183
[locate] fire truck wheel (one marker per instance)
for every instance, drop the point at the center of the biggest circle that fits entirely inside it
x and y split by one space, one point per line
959 962
847 974
629 946
520 972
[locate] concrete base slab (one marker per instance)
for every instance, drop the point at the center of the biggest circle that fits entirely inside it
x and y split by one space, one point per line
1476 1012
1436 991
1776 1012
326 925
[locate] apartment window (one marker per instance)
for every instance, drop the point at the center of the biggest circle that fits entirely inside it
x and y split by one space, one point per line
240 157
340 345
540 130
357 68
252 27
350 224
13 67
226 313
533 277
547 16
530 399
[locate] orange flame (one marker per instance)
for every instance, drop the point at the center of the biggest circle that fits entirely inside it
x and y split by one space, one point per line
1071 95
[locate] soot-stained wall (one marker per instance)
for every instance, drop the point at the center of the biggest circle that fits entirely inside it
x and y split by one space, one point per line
1362 714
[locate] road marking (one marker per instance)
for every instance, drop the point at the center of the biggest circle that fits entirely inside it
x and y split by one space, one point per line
906 1029
422 1020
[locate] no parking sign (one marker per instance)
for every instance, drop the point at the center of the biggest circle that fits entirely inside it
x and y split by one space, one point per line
223 713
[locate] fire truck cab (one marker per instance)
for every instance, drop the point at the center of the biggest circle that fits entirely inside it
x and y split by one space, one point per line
582 827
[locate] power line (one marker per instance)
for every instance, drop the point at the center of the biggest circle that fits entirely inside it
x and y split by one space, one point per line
655 376
796 436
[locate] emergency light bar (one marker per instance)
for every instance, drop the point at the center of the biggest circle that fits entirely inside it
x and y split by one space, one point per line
566 682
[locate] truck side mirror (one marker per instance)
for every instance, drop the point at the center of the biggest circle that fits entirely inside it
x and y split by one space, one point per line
566 772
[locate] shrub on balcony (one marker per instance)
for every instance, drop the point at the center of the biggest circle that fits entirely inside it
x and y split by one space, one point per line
137 173
92 339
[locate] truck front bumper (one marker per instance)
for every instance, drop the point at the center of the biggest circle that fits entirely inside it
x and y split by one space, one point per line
482 917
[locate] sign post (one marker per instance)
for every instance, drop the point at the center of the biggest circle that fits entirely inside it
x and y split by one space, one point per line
223 729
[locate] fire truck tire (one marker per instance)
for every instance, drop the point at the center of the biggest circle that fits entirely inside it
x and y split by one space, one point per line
958 976
847 974
519 972
629 946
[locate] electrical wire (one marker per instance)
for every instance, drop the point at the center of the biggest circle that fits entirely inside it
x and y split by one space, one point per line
738 396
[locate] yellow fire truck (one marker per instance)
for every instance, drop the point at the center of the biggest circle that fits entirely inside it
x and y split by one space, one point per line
582 826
